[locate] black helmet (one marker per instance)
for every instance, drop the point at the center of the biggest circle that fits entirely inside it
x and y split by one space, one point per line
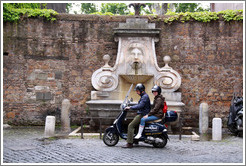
140 87
156 89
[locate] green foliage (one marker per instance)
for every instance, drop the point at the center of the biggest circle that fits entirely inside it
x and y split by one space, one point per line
14 12
188 7
148 10
229 15
25 5
68 7
203 16
105 14
115 8
123 9
206 16
88 8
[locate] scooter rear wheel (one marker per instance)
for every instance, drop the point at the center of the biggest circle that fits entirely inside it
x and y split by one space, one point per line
110 138
160 144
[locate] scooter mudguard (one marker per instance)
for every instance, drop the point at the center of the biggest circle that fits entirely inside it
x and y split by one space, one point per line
164 133
112 129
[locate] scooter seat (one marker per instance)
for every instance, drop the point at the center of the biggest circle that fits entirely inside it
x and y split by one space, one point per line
158 120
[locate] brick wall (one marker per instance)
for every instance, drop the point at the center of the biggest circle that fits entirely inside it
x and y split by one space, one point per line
45 62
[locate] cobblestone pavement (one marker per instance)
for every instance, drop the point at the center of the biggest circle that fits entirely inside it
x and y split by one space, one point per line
25 145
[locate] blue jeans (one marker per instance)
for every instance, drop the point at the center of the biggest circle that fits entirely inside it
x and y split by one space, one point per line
150 118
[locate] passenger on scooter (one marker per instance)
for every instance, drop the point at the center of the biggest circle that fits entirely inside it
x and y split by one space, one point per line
155 113
143 108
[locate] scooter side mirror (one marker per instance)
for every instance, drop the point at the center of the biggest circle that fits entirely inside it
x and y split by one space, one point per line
129 101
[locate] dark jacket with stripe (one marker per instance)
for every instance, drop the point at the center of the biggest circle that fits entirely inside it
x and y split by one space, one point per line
143 105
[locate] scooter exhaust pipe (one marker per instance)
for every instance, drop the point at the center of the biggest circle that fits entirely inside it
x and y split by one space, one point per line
152 139
158 140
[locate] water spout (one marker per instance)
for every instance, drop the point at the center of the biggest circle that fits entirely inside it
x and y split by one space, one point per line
136 67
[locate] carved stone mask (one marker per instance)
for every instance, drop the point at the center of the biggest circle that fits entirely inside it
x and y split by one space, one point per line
136 58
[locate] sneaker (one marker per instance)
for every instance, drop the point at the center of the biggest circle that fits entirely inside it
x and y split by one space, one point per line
137 136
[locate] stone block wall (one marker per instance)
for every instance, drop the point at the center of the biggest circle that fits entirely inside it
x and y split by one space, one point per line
45 62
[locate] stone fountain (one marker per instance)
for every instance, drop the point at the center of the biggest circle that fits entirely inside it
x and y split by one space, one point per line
135 63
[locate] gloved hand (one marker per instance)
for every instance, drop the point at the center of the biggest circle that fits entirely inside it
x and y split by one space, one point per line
127 108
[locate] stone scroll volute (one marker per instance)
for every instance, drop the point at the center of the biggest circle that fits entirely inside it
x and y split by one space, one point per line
104 79
168 79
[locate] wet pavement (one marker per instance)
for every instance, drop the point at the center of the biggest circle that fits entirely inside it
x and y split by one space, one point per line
27 145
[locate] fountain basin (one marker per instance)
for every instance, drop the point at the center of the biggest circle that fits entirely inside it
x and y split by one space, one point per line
134 79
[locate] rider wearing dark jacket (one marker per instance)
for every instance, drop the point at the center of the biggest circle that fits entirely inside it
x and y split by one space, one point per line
143 108
143 105
158 106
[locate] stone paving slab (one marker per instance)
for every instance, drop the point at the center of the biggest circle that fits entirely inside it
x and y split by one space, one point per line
16 148
28 146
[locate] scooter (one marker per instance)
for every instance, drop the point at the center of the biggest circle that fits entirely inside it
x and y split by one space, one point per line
235 118
155 132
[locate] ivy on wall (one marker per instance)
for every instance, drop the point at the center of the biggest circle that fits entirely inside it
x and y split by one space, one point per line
14 15
227 15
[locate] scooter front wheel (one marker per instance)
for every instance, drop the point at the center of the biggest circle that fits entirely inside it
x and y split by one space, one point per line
110 138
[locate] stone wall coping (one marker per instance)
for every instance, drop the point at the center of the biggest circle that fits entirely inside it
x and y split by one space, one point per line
104 102
136 32
174 103
122 18
94 17
169 103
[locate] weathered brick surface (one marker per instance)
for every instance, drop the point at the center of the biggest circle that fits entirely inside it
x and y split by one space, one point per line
46 62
